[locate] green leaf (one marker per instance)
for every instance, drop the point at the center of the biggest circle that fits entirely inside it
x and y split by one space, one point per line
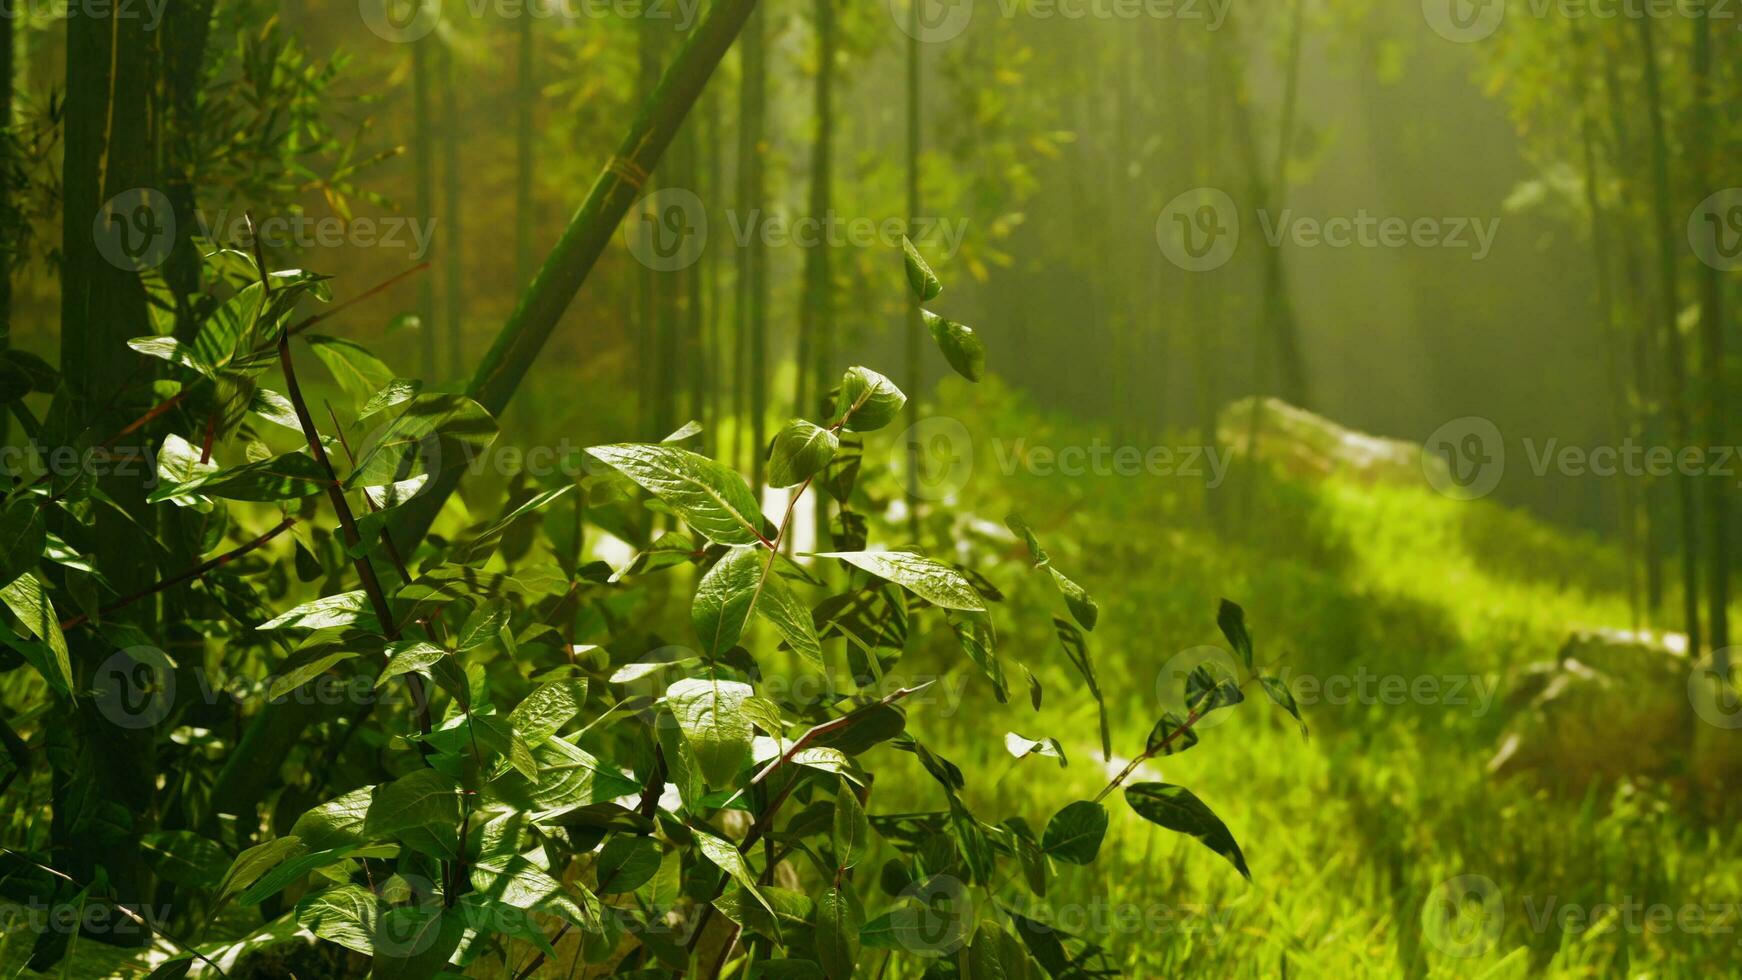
1077 651
868 401
254 862
925 282
852 834
344 609
395 392
1177 809
1080 603
839 919
348 915
1021 529
980 643
548 708
1278 690
627 862
1074 833
23 538
710 712
335 823
800 451
482 626
1021 746
740 584
421 810
405 656
28 601
933 581
173 351
1163 739
712 499
306 670
1209 688
359 373
288 477
431 436
178 462
961 346
724 855
1232 619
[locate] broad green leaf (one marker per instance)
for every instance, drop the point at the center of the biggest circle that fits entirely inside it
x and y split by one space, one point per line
178 462
416 942
1021 746
1074 833
1077 650
961 346
405 656
395 392
980 643
1177 809
421 810
348 915
925 282
852 835
275 408
800 451
291 872
933 581
839 919
548 708
359 373
344 609
743 583
335 823
173 351
482 626
710 498
723 854
28 601
306 670
1170 736
710 712
23 538
254 862
1021 529
626 862
288 477
1232 619
868 401
1278 690
431 435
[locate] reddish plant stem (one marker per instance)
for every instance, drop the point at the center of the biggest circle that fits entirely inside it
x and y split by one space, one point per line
198 571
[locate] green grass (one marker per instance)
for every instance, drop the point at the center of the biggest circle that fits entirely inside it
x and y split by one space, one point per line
1349 834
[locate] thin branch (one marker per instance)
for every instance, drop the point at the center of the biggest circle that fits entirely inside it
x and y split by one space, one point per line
353 301
198 571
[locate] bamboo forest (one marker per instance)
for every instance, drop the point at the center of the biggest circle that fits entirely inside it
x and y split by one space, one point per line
770 489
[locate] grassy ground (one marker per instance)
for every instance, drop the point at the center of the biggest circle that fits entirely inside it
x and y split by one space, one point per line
1351 834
